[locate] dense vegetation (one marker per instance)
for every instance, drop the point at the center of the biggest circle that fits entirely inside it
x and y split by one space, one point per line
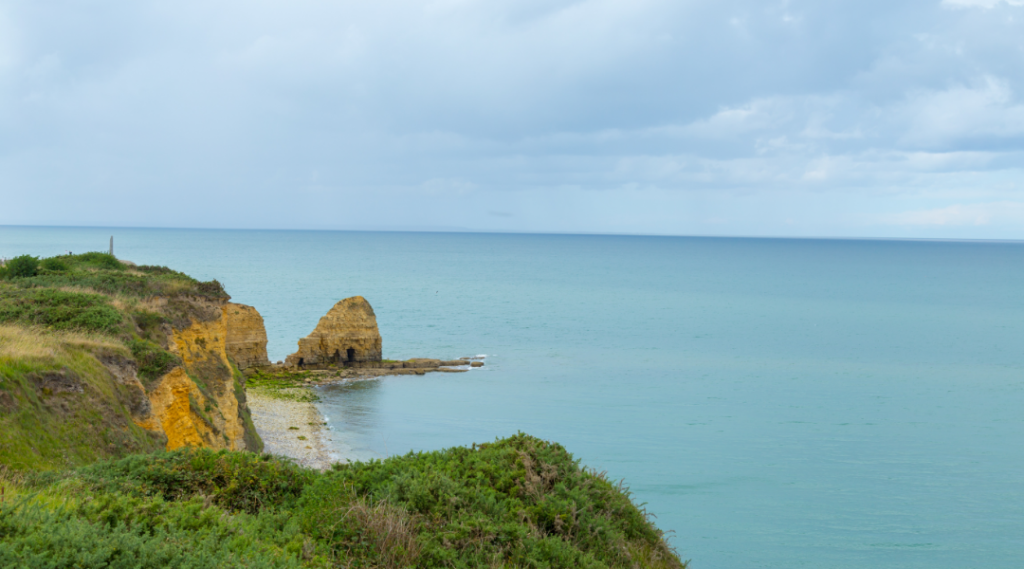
61 320
518 502
103 273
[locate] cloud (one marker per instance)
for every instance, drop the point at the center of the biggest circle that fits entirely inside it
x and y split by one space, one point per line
938 118
777 117
987 4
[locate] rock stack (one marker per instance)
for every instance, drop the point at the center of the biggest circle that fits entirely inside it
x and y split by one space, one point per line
347 334
246 336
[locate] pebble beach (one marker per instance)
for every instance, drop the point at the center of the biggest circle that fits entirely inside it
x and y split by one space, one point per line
294 429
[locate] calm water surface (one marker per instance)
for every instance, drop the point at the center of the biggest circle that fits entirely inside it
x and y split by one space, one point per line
777 403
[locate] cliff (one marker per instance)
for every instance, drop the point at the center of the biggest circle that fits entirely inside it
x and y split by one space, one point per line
246 336
346 334
99 358
202 402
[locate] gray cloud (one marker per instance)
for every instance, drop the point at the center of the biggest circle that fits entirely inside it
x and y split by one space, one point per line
641 116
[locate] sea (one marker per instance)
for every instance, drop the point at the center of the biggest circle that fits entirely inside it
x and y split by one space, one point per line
775 403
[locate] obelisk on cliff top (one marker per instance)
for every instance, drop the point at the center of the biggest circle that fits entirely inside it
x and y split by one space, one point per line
111 245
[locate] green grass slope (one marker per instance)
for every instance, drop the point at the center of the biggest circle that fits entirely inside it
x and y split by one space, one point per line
59 406
65 323
517 502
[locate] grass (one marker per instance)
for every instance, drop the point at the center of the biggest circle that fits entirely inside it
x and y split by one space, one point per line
40 344
71 328
283 385
517 502
60 310
58 405
103 273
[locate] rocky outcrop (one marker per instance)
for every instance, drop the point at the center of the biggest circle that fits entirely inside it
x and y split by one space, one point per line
346 334
246 336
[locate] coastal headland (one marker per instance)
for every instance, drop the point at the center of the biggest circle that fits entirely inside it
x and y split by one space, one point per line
142 424
345 346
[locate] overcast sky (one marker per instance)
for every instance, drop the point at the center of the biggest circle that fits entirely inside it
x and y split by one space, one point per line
894 118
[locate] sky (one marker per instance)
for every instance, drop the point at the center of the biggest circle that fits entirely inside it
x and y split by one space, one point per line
824 118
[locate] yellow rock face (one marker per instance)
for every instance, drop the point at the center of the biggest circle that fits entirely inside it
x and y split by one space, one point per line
246 336
347 333
209 412
172 408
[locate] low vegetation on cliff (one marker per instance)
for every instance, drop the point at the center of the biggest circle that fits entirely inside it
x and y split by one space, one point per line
517 502
85 341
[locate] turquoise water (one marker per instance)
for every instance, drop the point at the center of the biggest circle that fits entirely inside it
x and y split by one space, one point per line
777 403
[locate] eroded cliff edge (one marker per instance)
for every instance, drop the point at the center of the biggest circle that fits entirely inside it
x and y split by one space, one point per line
201 402
101 358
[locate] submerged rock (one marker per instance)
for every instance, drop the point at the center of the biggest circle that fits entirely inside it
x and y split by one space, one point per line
346 334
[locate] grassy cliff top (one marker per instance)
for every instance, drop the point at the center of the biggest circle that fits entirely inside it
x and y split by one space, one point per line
517 502
65 322
105 274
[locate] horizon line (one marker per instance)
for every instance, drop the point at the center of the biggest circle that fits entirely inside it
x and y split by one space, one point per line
537 233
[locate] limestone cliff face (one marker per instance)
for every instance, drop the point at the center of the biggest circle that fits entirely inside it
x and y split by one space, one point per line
202 402
246 336
347 333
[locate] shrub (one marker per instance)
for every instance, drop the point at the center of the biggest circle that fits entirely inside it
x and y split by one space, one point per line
22 266
97 260
60 310
113 533
55 264
522 500
518 502
235 481
149 324
157 270
153 360
97 275
212 290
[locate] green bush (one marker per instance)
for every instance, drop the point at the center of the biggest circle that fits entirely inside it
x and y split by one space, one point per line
520 499
97 260
116 532
157 270
518 502
141 284
235 481
149 324
55 264
212 290
22 266
153 360
60 310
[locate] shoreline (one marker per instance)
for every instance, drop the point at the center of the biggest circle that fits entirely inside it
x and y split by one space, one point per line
280 422
283 415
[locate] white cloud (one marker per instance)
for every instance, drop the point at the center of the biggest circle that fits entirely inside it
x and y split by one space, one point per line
987 4
941 117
